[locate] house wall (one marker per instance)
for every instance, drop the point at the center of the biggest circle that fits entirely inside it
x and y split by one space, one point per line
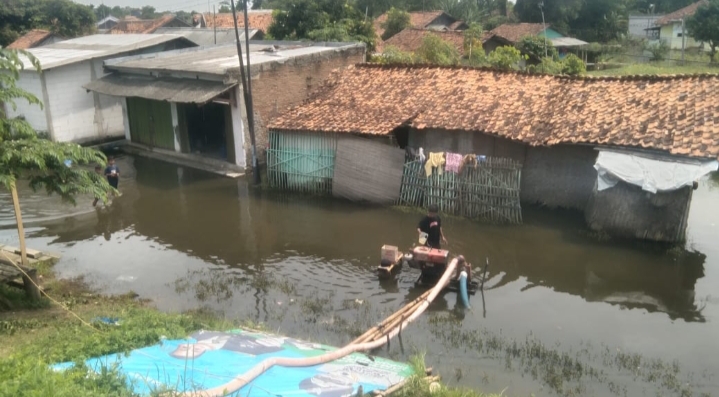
672 35
560 176
34 114
72 108
465 143
627 211
557 177
277 87
638 24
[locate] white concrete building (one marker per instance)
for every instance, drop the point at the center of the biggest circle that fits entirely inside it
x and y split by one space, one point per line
188 104
69 112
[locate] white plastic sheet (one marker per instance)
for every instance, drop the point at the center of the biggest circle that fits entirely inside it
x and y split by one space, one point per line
651 174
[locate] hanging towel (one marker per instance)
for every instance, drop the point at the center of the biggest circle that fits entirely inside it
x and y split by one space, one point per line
422 157
454 162
435 160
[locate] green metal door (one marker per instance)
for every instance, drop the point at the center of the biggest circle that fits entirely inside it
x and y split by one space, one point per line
150 123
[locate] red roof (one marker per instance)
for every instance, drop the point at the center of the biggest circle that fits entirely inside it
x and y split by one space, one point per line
410 39
30 39
675 114
678 15
134 25
417 20
513 32
260 20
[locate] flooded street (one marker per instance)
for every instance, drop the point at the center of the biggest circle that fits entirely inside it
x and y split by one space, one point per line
567 313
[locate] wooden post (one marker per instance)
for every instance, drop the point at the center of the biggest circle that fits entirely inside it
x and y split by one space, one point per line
20 229
29 280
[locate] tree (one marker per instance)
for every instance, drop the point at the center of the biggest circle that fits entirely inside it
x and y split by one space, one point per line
393 55
304 19
506 58
436 51
147 12
704 26
472 45
397 21
659 50
102 11
64 17
533 46
56 167
224 7
573 65
558 13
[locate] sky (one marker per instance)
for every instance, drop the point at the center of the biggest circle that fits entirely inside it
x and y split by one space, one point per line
160 5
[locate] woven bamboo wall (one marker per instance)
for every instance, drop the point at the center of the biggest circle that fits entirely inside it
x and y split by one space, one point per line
488 191
367 170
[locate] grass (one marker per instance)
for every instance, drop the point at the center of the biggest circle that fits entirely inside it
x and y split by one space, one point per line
664 68
35 335
419 386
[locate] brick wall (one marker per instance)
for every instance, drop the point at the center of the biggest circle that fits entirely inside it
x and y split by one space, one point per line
278 87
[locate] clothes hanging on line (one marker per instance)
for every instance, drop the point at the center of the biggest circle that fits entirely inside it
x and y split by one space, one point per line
435 160
454 162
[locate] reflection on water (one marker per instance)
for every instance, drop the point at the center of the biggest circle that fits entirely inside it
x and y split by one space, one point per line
304 264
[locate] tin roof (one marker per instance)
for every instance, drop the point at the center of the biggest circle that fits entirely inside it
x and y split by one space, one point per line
222 60
95 46
206 36
159 89
675 114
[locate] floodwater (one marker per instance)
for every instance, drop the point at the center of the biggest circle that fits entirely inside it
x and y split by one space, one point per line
564 312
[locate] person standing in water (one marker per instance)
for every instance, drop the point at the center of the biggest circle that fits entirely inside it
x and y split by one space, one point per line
112 172
432 225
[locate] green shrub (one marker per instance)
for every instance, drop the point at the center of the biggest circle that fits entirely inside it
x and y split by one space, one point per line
505 58
573 65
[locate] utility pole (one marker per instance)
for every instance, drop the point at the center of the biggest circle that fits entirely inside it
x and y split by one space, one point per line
683 41
250 116
544 26
251 111
214 22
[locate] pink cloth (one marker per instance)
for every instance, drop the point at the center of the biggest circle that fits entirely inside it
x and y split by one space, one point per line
454 162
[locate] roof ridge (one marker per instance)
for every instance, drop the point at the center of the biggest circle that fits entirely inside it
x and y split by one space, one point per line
645 77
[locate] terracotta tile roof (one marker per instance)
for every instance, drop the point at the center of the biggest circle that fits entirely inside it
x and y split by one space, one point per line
410 39
513 32
131 26
676 114
260 20
417 20
30 39
679 14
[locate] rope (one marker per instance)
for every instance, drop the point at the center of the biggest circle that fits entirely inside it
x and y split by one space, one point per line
27 277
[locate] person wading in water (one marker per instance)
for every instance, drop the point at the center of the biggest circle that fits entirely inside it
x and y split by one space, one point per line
432 225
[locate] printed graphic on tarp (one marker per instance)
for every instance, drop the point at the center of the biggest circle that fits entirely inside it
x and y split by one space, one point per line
215 360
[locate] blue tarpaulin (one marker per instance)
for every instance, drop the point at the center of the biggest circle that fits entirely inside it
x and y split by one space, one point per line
210 360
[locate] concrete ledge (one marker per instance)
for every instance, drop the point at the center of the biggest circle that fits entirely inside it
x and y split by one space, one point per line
185 159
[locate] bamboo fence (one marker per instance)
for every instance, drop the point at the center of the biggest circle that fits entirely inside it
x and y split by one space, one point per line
301 162
488 190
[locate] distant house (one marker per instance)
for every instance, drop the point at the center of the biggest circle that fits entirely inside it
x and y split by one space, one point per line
140 26
257 19
107 23
209 36
512 33
640 26
69 113
671 30
430 20
410 39
35 38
